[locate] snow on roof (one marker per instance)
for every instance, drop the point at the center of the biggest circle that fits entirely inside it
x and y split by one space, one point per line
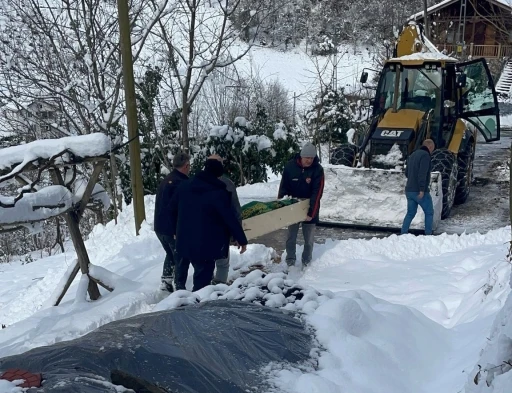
445 3
82 146
41 205
436 56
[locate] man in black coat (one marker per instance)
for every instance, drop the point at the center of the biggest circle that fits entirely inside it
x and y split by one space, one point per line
204 220
162 219
417 192
303 177
222 265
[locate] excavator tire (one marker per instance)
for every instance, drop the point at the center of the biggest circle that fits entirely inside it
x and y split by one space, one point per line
344 155
465 160
445 162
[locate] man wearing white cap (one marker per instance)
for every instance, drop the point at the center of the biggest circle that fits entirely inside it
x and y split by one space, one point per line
303 177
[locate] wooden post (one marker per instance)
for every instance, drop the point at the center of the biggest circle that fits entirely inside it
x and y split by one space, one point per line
131 114
72 220
98 166
71 277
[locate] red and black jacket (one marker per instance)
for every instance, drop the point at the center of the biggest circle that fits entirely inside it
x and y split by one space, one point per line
300 182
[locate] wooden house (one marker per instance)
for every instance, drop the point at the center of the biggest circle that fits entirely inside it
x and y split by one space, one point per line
482 27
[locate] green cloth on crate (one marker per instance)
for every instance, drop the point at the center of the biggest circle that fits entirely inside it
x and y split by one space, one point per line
256 208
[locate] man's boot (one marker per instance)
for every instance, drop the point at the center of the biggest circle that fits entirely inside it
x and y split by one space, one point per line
167 284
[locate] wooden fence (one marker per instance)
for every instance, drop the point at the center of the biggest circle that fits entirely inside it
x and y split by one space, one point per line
488 51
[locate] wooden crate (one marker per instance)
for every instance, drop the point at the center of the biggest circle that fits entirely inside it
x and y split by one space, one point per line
276 219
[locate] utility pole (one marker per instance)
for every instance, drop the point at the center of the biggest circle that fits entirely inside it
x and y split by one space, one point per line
425 20
131 114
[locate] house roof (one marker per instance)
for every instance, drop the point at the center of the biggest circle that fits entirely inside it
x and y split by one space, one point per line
507 4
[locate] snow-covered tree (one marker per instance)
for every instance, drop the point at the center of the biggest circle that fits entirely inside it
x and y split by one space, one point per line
195 39
330 118
284 146
68 53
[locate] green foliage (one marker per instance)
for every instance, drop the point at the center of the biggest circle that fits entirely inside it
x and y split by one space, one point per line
248 148
152 154
285 146
331 117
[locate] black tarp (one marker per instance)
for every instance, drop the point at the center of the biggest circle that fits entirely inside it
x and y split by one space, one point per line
216 346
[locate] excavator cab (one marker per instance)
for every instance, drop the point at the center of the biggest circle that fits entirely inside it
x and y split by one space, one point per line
407 109
478 102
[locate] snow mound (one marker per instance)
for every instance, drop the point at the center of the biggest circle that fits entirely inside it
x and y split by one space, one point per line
371 197
351 327
492 374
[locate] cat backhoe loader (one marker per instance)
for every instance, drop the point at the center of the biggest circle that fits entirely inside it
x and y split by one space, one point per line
421 93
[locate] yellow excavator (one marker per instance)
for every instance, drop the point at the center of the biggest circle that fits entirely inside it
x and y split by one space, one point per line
421 93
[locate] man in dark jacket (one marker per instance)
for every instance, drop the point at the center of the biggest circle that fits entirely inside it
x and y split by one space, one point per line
222 265
417 188
303 177
204 220
162 226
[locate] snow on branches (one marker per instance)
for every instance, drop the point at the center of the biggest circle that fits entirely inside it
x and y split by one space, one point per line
34 203
249 147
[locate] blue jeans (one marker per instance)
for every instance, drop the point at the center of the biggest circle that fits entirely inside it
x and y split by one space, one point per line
412 207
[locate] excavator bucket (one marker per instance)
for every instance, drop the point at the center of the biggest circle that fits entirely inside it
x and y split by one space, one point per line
373 198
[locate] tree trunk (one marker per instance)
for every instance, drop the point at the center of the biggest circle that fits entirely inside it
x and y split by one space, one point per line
184 125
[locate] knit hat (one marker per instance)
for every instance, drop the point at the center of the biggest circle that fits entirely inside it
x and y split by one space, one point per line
214 167
309 150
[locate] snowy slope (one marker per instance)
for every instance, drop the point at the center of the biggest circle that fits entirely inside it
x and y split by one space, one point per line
297 71
418 307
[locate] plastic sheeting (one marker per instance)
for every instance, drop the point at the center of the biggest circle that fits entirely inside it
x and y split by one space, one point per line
216 346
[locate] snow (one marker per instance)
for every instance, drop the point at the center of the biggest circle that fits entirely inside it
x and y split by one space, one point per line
350 136
98 193
398 314
83 146
240 121
53 200
11 387
280 131
297 71
393 158
434 56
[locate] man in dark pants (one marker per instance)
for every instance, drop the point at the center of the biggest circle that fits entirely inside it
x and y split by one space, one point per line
204 220
303 177
163 229
417 191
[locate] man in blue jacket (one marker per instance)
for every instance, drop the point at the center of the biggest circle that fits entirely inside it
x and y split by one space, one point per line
162 218
417 188
203 220
303 177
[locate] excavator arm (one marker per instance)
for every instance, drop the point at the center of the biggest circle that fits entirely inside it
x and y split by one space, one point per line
411 40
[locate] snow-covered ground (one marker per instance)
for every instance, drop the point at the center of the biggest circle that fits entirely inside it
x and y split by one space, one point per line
401 314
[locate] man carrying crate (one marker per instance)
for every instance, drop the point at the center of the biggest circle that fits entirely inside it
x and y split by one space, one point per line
303 177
